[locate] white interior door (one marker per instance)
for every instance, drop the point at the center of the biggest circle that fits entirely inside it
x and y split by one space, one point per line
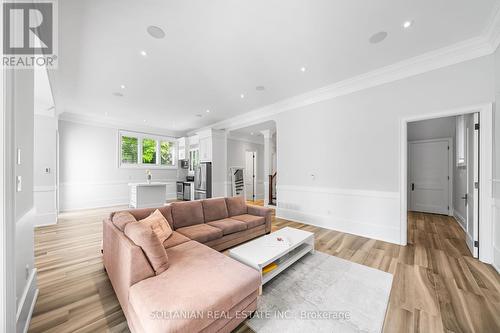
250 174
429 176
472 199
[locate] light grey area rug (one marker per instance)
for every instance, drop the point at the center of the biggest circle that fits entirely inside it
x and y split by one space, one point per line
323 293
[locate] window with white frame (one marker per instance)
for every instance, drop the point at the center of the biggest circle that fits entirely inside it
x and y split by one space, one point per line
146 150
461 141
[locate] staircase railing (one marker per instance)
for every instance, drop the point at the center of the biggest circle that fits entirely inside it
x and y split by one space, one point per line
272 189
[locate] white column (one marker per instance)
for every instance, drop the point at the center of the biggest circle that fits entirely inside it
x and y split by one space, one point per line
268 163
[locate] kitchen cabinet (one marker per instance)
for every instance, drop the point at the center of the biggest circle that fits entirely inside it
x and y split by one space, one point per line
182 146
205 149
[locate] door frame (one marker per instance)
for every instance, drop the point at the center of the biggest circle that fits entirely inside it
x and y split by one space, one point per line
254 172
450 169
485 172
8 306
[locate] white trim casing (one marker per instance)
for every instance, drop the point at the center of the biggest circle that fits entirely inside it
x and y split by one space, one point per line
7 208
485 173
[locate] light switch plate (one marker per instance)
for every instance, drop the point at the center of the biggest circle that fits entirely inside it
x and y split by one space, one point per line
19 183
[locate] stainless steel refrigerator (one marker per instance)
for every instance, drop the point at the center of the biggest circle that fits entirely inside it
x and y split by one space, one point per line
203 181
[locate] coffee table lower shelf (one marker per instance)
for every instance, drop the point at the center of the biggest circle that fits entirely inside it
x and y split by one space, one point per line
287 260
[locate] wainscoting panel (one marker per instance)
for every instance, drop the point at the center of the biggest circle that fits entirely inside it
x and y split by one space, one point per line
373 214
75 196
45 202
496 233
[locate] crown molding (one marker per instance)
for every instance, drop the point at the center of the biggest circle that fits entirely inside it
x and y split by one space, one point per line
483 45
492 31
116 124
246 140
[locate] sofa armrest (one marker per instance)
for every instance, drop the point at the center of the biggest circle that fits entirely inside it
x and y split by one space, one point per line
124 261
267 213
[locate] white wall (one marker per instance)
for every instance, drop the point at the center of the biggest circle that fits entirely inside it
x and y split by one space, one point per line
432 129
45 169
89 172
236 149
351 146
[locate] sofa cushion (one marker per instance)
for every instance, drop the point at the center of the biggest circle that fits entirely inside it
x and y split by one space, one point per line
187 213
236 206
251 221
142 235
199 280
201 232
142 213
229 226
214 209
175 239
121 219
159 224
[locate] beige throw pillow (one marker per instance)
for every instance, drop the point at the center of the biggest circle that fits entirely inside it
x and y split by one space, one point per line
142 235
159 224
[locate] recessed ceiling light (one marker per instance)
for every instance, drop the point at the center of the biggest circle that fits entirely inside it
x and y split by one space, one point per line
242 95
208 111
407 24
155 32
302 69
144 53
123 86
117 94
260 88
144 120
378 37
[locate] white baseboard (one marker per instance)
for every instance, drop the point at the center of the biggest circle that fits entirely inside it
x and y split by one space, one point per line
496 256
372 214
42 220
27 303
461 220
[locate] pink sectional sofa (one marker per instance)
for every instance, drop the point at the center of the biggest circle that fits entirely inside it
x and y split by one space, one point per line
202 290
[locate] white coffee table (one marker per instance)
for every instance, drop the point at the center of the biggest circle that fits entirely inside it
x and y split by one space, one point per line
265 250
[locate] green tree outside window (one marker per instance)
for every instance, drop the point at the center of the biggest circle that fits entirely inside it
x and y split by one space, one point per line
166 152
149 151
129 150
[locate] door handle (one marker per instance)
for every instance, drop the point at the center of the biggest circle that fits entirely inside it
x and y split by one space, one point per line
465 197
413 186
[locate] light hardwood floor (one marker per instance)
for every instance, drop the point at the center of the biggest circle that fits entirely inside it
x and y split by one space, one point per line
438 286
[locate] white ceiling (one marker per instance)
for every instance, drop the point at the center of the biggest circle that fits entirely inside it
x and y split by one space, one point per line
253 133
216 50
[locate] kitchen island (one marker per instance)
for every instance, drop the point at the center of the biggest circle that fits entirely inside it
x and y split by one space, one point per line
146 195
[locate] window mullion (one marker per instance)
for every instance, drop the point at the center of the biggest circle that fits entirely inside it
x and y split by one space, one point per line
158 157
139 150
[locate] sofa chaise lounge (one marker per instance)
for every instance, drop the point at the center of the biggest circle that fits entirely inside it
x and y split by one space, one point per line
201 290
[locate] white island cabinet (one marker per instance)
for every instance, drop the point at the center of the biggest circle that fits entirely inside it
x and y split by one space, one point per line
143 195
